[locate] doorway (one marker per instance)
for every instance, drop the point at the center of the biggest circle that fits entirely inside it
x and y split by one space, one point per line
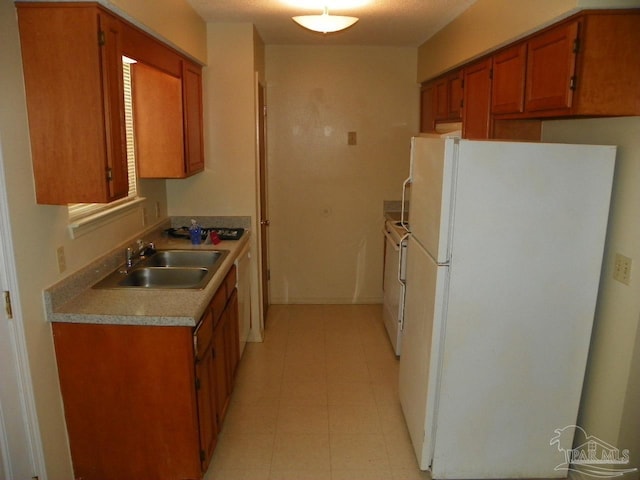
19 438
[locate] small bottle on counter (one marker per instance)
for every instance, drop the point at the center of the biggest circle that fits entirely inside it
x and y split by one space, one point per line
195 232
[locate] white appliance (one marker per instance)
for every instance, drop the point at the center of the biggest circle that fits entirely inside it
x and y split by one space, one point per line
503 266
393 286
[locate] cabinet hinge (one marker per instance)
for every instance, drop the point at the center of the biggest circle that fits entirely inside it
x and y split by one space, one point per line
7 304
461 103
264 110
101 38
110 174
197 383
462 83
572 83
491 74
576 45
202 455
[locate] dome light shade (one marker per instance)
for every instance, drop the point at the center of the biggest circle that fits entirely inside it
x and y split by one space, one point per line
325 23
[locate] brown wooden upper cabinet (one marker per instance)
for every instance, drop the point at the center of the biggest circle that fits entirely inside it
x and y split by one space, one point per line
427 108
476 118
509 71
588 65
72 65
441 101
551 68
72 62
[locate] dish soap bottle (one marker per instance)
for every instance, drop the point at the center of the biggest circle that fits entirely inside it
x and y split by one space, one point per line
195 232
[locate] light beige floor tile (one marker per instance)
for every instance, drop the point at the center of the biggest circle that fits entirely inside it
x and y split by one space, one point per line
312 392
362 474
400 450
302 452
409 474
358 452
304 372
247 451
238 474
342 393
256 418
349 418
391 418
300 475
303 419
386 393
347 369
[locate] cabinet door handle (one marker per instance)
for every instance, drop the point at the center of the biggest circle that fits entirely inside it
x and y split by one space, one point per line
265 222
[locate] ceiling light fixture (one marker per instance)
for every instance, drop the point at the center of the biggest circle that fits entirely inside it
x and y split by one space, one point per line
325 23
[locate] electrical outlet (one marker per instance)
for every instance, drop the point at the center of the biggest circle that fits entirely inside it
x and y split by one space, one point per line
62 261
157 209
622 269
352 138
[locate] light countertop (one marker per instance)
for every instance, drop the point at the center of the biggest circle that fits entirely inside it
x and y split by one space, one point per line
138 306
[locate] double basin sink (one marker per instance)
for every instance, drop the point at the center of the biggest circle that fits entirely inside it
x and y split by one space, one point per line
190 269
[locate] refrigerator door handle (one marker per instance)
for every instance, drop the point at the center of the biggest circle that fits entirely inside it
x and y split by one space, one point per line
403 222
401 254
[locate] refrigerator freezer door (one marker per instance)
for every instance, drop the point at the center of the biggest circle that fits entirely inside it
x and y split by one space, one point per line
432 170
528 236
419 364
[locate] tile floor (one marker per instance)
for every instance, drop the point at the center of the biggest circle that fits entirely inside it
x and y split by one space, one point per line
317 401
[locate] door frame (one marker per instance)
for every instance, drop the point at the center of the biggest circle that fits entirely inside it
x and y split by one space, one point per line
262 198
21 454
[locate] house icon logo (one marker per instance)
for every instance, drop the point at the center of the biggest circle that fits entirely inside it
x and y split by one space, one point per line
593 456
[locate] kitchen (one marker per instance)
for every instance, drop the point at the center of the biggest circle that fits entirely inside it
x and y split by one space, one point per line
228 185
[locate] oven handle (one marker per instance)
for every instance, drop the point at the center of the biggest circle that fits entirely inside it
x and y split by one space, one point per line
404 189
400 248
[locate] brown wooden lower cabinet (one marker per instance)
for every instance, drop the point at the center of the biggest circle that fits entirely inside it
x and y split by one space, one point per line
142 401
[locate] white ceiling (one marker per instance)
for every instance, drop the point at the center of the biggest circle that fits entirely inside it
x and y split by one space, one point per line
382 22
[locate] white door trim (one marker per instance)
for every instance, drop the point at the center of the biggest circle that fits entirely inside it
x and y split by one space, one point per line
21 455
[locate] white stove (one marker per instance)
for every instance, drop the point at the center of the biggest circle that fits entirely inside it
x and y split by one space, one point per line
395 265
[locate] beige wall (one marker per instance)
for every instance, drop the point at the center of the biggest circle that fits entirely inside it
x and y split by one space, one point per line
37 231
610 398
228 184
175 21
326 197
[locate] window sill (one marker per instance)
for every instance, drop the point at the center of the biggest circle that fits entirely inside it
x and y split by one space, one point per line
92 222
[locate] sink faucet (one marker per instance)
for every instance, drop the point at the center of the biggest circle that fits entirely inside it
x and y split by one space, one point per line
142 250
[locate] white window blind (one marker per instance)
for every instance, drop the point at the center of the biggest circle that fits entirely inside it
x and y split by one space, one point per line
80 211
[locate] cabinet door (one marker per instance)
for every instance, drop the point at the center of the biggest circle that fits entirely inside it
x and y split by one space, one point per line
222 384
509 67
74 90
205 388
441 95
157 112
477 100
193 133
551 63
455 93
232 336
427 108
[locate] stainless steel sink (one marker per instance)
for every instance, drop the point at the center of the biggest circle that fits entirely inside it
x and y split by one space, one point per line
183 258
165 277
168 269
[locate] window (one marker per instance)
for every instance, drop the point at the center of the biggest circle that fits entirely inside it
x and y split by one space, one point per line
85 217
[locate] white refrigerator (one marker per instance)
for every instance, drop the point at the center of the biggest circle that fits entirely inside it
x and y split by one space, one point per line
503 267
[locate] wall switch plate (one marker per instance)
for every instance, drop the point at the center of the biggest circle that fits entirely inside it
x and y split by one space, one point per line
622 269
352 138
62 261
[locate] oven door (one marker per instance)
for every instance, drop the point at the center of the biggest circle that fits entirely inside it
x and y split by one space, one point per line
393 290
